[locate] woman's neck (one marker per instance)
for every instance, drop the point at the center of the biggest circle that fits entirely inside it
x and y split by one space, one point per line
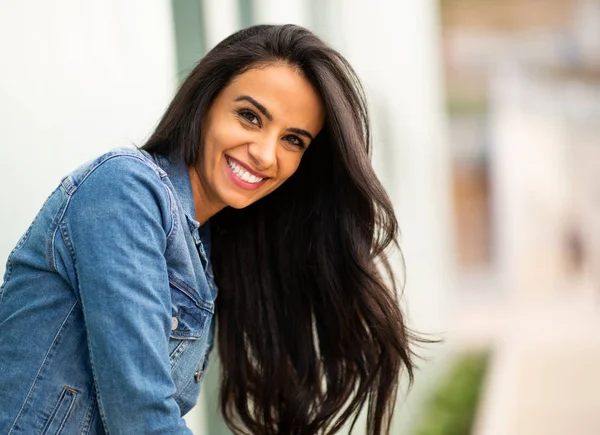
205 208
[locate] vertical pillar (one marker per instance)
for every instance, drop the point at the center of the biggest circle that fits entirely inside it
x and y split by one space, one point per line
221 20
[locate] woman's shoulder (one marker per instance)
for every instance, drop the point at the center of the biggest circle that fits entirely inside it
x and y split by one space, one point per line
123 180
117 164
121 183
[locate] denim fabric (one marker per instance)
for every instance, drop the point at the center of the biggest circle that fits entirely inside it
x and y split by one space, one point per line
106 310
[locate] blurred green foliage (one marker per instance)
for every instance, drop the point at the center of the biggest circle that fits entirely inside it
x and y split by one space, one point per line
451 408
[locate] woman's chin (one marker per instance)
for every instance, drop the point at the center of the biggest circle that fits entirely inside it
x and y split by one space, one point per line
238 202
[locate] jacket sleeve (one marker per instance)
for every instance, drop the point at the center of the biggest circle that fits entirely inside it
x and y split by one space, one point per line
118 220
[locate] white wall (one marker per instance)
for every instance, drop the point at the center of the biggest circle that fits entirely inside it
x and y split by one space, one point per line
532 185
395 49
220 19
77 78
284 12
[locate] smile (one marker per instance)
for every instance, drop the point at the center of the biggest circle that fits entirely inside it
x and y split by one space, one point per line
241 173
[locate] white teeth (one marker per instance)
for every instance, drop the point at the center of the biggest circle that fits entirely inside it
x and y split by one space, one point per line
242 173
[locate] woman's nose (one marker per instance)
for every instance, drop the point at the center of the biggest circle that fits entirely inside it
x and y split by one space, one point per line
264 153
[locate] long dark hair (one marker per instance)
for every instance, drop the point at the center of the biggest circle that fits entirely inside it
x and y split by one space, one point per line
309 328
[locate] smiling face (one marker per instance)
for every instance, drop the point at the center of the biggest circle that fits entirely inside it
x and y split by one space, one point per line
255 134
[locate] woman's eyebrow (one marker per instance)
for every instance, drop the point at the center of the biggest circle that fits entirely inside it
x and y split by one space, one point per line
256 104
301 132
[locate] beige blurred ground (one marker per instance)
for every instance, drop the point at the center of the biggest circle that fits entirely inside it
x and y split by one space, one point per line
545 371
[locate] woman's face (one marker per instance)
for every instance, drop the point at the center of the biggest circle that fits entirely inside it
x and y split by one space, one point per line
255 134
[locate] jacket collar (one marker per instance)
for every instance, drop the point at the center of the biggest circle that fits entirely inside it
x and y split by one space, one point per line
177 172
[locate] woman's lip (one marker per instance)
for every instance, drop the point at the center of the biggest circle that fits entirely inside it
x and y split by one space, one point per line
241 183
237 162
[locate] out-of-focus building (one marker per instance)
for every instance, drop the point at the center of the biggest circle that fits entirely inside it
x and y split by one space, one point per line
517 53
524 51
523 80
480 37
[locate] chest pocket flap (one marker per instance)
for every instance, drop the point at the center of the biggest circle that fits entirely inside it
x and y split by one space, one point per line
191 315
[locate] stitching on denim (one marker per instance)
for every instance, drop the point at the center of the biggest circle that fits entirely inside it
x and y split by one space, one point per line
64 232
155 168
21 242
179 349
68 412
7 274
178 401
109 157
89 415
41 367
54 411
73 394
94 376
191 380
67 185
189 292
172 205
59 224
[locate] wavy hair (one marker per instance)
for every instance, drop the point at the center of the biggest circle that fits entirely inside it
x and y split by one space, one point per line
309 329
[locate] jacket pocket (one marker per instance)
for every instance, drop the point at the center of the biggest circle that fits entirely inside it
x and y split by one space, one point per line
60 413
191 316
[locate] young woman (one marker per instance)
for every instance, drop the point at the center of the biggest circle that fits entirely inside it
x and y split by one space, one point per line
257 181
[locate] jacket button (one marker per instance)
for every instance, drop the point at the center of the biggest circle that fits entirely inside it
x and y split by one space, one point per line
174 323
198 375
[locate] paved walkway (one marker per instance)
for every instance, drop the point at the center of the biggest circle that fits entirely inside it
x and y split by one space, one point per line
544 377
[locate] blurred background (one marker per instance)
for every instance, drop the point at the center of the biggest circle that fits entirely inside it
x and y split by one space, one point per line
486 117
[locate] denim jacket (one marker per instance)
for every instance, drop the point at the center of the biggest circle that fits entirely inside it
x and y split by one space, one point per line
106 310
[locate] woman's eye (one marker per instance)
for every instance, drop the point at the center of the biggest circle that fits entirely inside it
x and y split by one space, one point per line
295 140
249 116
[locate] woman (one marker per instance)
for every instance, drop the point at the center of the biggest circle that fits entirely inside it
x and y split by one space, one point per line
259 170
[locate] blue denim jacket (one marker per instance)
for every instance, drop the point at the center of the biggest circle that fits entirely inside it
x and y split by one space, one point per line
106 310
